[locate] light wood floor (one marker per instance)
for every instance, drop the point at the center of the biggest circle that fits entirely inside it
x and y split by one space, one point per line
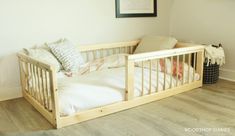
212 106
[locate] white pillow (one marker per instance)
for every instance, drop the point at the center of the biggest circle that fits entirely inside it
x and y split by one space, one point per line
155 43
44 56
67 54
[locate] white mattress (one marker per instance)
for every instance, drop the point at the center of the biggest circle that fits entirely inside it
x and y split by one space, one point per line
102 88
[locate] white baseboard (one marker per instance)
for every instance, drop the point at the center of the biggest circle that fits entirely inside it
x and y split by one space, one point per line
7 93
227 74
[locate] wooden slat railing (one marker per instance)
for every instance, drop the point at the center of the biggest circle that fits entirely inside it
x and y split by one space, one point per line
39 86
92 52
38 80
176 57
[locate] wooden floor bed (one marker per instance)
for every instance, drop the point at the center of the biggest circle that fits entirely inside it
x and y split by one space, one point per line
44 93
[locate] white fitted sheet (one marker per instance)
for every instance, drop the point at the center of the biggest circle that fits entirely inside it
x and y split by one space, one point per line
103 87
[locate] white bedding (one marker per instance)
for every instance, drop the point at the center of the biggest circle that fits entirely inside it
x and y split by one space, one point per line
103 87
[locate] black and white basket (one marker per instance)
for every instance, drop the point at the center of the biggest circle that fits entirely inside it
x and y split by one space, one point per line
211 73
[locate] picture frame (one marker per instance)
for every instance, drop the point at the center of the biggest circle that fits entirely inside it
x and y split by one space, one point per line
136 8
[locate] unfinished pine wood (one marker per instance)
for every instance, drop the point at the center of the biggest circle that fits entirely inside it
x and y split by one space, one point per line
47 114
183 69
157 75
47 91
177 70
92 52
172 66
129 80
142 65
39 85
214 105
31 79
43 88
183 45
54 99
105 110
189 65
165 69
194 66
51 112
150 76
32 61
26 75
108 46
165 53
200 61
35 83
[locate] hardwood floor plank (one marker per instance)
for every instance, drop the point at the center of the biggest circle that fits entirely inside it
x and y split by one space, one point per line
24 116
6 124
212 106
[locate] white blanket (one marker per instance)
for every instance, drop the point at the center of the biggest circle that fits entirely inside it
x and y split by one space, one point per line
104 87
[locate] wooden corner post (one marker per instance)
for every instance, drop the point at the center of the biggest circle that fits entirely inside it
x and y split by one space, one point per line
200 64
54 91
129 79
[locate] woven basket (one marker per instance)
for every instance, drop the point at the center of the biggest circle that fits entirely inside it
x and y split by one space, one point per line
211 73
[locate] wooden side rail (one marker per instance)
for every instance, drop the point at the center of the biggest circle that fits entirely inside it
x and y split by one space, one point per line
183 45
39 86
164 53
107 46
92 52
179 58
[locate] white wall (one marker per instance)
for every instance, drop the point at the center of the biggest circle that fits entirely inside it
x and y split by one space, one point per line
209 22
28 22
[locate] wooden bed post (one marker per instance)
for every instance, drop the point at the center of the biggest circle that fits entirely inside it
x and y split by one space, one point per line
129 79
200 64
54 95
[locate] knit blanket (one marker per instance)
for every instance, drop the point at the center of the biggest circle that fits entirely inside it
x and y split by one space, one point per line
214 55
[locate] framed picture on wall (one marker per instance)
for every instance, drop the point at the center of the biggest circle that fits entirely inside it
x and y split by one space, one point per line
136 8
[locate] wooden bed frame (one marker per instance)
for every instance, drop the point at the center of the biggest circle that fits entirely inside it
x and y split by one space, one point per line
43 94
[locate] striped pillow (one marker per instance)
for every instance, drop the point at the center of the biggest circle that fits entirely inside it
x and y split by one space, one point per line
66 53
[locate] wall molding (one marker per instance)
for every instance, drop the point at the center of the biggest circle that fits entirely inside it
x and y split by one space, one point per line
227 74
10 93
